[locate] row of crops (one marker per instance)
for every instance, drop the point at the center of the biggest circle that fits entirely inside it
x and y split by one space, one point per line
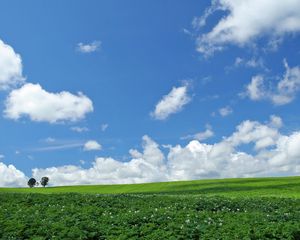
78 216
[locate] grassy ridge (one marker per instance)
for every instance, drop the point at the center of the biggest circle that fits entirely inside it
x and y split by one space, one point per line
239 187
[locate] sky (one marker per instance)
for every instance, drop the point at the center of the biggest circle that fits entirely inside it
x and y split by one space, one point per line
104 92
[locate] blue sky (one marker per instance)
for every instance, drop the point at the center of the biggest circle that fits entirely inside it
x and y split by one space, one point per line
175 80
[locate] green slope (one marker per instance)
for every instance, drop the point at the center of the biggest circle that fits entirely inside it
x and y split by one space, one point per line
278 187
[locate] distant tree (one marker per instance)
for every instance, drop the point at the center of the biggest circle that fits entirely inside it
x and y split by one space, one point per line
44 181
31 182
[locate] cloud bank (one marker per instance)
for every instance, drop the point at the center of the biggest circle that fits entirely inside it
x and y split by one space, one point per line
272 154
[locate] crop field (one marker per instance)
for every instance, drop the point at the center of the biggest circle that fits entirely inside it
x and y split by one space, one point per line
265 208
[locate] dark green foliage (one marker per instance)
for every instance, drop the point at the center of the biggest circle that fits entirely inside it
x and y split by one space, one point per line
44 181
76 216
31 182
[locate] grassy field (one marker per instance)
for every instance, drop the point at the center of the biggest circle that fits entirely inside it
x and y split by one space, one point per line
229 209
238 187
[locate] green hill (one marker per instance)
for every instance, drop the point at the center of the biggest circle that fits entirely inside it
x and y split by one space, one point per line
249 208
238 187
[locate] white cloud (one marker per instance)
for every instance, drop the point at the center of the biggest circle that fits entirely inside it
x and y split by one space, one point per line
275 121
135 153
79 129
50 140
247 20
225 111
204 135
250 63
200 136
11 177
262 135
224 159
104 127
92 145
39 105
10 67
89 47
283 93
148 167
199 22
56 146
288 86
272 154
171 103
255 90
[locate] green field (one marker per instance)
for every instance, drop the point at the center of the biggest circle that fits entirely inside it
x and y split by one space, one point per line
237 187
256 208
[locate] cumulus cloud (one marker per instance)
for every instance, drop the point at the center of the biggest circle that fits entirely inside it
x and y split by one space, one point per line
273 153
225 159
208 133
89 47
92 145
11 177
247 20
262 135
32 101
282 93
10 67
171 103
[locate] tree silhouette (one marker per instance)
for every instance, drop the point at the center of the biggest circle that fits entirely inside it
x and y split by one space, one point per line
44 181
31 182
